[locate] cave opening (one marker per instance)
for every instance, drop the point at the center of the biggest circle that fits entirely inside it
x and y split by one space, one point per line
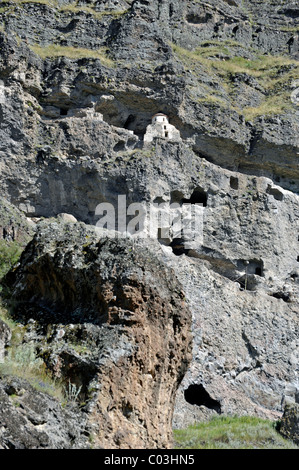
129 122
278 195
171 11
235 30
290 44
120 146
178 247
199 196
176 197
196 394
285 296
234 182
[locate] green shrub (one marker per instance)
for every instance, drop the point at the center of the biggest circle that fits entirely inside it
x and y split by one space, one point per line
22 358
22 361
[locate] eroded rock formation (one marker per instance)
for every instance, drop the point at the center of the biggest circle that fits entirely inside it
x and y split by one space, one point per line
289 426
112 319
78 87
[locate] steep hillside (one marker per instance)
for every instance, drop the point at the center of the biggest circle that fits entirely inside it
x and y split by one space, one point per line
80 83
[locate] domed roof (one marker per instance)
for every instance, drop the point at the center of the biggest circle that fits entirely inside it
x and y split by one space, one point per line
159 114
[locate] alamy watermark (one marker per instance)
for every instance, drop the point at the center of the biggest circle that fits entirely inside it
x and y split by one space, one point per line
164 221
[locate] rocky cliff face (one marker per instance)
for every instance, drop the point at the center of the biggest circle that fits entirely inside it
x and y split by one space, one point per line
79 86
108 317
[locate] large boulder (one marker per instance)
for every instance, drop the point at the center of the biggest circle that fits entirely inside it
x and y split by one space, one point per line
14 226
109 318
289 426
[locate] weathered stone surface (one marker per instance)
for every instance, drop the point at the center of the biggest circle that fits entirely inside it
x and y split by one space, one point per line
128 95
72 136
130 313
30 419
14 226
289 426
245 349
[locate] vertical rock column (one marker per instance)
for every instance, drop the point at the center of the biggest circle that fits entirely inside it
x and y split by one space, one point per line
140 345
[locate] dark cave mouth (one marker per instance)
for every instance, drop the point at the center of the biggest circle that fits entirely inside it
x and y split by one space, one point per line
196 394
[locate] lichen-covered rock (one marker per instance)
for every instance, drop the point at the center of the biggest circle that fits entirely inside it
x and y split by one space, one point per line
79 86
245 348
31 419
14 226
289 425
110 317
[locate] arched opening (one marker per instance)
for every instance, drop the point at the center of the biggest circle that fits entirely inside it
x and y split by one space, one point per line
120 146
128 124
235 30
196 394
290 44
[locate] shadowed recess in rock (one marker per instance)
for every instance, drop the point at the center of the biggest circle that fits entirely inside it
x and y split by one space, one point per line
196 394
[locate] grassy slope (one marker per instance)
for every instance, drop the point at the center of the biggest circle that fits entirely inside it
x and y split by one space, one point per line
273 74
246 432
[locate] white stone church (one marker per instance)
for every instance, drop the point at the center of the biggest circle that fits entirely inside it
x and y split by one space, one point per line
161 128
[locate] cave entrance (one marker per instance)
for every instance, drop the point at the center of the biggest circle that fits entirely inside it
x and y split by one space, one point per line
258 271
254 267
129 124
196 394
178 247
199 196
285 296
234 183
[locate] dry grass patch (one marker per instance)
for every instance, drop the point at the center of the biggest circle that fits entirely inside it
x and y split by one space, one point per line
55 50
273 74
